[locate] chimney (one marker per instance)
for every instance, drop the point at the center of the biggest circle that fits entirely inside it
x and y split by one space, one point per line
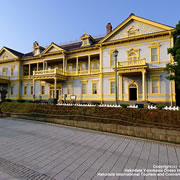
108 28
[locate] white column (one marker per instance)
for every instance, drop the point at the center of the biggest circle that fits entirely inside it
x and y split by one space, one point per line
144 85
29 69
37 66
121 87
63 64
55 87
33 86
89 64
101 59
77 65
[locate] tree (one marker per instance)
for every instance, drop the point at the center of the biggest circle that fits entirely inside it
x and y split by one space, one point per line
174 69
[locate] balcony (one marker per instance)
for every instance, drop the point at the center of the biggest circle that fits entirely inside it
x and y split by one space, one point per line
138 62
83 72
4 79
60 73
49 73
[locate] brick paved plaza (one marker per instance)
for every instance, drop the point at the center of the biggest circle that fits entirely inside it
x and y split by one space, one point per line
40 151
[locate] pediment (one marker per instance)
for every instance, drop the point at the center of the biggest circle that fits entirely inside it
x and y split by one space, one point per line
52 48
134 26
6 55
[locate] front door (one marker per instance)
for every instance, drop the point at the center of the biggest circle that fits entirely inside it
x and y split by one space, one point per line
58 93
133 94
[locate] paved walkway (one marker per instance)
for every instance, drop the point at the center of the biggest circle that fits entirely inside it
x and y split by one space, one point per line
40 151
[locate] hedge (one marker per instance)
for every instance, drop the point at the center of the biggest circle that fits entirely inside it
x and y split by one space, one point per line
123 116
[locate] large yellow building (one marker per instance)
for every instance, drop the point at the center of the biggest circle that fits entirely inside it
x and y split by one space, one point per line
85 70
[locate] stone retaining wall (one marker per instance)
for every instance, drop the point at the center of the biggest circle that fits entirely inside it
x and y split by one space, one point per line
137 131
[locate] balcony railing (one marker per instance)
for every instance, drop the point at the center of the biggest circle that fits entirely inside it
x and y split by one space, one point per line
4 77
49 72
132 62
95 71
61 72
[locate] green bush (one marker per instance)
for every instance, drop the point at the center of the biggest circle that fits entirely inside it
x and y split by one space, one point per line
96 103
124 105
122 116
160 106
8 100
20 100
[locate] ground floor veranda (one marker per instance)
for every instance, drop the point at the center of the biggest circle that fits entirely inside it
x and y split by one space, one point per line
132 87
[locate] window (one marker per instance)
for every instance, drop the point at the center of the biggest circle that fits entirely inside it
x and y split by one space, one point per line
154 52
12 90
12 70
82 66
69 88
112 87
112 60
4 71
42 89
25 90
85 42
94 65
32 90
155 84
69 67
94 88
84 87
154 55
26 71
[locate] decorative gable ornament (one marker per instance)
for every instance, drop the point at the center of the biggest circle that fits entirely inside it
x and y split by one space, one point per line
132 32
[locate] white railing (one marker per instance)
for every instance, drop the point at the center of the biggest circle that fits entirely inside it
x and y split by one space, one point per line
174 108
132 62
48 71
95 71
133 106
4 77
60 71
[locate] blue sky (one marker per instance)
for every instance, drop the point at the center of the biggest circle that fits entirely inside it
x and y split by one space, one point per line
46 21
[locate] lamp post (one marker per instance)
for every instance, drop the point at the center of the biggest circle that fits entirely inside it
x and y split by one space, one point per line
115 55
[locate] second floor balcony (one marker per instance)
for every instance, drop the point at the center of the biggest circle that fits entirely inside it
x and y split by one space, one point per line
63 74
49 73
136 62
4 79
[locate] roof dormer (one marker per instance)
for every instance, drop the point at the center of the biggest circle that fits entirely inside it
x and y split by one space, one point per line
87 40
37 49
